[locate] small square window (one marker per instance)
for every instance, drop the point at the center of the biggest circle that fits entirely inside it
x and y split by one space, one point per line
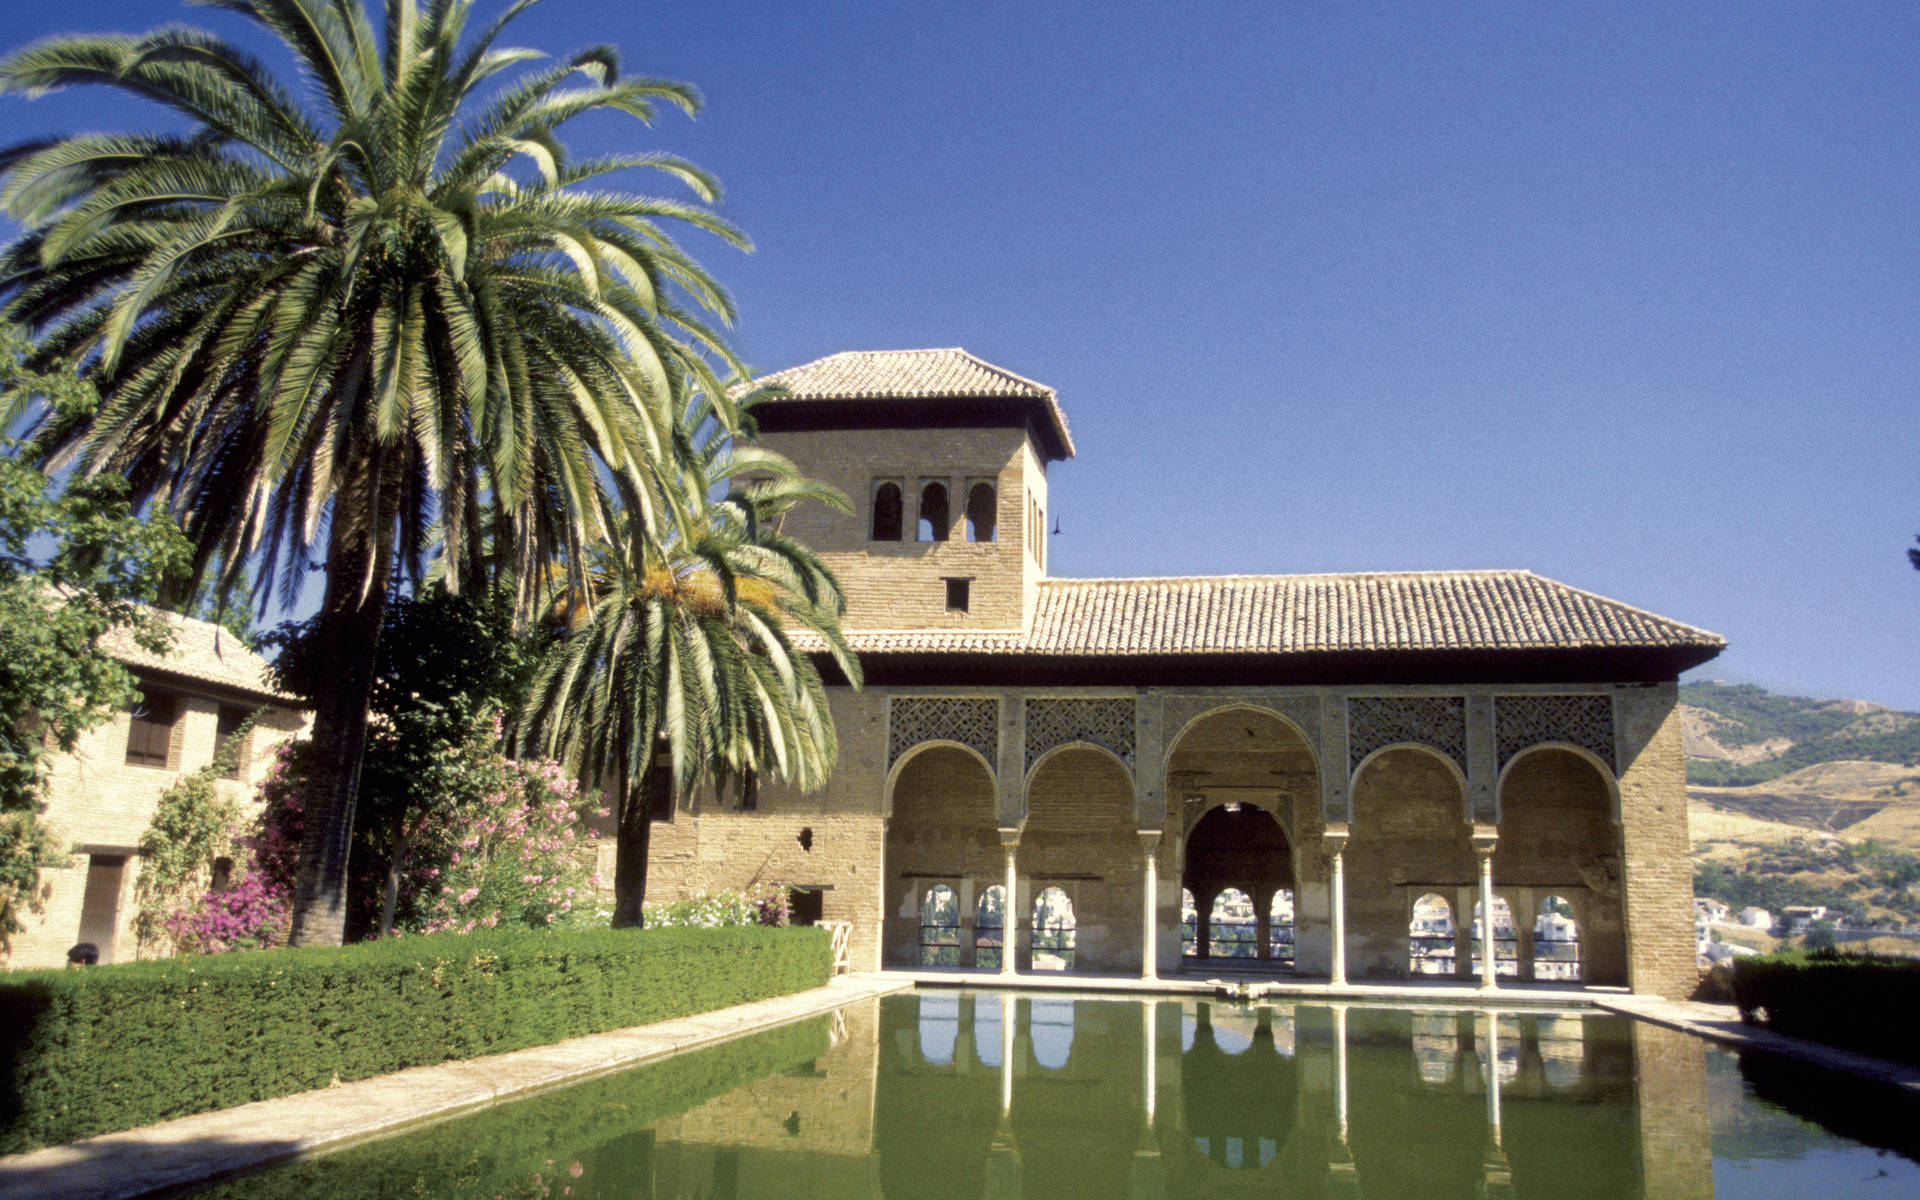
959 594
150 729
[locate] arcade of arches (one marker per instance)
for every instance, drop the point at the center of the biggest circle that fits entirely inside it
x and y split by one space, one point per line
1381 872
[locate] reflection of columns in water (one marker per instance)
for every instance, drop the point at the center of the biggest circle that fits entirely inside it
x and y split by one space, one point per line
1003 1154
1344 1172
1497 1175
1010 908
1150 888
1148 1179
1148 1067
1006 1054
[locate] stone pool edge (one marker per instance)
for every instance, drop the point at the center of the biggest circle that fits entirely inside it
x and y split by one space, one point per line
204 1147
1721 1023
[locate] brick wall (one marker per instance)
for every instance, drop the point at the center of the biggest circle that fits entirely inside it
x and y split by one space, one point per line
1656 863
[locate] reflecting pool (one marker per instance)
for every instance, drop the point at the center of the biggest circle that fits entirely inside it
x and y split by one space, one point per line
1002 1095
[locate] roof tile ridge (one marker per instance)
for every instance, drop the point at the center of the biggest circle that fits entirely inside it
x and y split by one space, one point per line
1635 609
997 369
1304 576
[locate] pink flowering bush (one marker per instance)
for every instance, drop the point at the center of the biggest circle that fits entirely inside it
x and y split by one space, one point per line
516 853
255 910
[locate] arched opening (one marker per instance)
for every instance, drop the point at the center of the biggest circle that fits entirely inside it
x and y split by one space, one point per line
935 519
1556 941
941 829
1430 936
1189 925
1506 940
1563 1050
987 1030
940 927
1558 837
887 509
1280 926
1238 859
1239 1090
1232 931
1050 1024
1081 827
1409 828
982 512
990 928
1435 1040
1053 931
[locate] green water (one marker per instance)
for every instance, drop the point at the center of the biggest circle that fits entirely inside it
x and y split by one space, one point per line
991 1095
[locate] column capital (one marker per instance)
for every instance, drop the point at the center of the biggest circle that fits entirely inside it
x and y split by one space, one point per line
1150 839
1009 840
1485 839
1335 836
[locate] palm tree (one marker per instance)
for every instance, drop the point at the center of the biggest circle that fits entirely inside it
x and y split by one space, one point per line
340 332
681 668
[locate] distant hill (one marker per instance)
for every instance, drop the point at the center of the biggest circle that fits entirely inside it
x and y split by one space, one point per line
1798 801
1739 735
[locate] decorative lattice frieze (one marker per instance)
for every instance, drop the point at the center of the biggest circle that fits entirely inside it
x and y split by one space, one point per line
1583 721
1377 721
969 720
1104 721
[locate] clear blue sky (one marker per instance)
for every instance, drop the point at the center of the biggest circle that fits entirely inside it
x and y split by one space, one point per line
1627 295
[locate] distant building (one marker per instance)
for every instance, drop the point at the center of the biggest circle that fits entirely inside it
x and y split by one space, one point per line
1798 918
101 798
1708 909
1756 918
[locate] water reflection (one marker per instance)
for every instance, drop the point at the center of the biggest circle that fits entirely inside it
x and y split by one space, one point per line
970 1095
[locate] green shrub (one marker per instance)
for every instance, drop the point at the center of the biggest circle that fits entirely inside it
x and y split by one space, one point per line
86 1052
1860 1002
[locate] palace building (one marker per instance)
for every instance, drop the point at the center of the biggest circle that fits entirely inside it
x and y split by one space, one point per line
1333 774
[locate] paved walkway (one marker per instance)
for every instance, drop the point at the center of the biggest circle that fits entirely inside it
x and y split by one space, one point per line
206 1146
1722 1023
1249 986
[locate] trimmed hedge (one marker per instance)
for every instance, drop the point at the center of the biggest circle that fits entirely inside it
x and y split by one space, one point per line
509 1150
1860 1002
88 1052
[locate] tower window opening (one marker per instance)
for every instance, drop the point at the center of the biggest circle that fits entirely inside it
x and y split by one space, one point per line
887 506
935 521
959 594
982 507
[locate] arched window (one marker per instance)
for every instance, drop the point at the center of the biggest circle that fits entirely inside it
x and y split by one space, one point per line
982 512
934 521
1430 936
1053 930
1556 942
988 1030
1506 940
886 513
940 927
1280 925
1231 928
1189 925
990 927
1435 1044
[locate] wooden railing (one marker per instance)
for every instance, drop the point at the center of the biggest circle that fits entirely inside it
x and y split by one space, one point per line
842 938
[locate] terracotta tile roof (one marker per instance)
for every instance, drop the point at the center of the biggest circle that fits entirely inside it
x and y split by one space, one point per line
1301 614
203 652
949 374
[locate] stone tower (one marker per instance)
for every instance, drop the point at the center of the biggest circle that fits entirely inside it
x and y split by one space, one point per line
944 458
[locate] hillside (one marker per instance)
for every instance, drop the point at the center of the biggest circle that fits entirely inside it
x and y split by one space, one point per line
1797 801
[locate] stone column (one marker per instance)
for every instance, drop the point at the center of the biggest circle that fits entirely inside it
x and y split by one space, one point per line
1010 936
1150 902
1336 843
1483 846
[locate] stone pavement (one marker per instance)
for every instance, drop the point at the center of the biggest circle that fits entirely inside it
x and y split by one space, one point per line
206 1146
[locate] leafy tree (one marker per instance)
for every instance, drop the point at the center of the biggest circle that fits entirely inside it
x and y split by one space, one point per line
395 316
681 669
74 564
192 827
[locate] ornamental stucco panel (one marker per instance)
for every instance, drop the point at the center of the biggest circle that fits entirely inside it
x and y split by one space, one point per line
1106 721
972 721
1583 721
1374 722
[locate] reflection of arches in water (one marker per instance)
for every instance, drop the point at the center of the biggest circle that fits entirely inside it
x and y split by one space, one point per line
1430 936
1053 931
1237 858
987 1031
1556 941
1563 1050
1436 1045
1050 1025
1506 939
940 927
939 1027
1240 1106
989 927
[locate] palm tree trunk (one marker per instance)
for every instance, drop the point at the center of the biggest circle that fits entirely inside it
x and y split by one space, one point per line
359 567
632 839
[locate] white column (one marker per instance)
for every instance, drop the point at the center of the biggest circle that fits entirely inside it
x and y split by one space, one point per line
1489 965
1337 843
1010 937
1149 923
